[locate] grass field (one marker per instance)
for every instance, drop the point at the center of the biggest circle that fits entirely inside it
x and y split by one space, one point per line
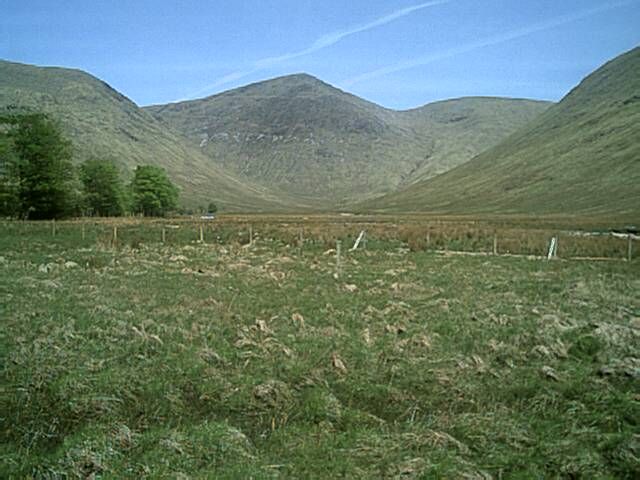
143 359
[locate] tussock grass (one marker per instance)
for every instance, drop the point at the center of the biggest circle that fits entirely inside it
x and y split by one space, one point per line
221 360
513 235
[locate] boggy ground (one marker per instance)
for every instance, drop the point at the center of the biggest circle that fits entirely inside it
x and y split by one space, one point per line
218 361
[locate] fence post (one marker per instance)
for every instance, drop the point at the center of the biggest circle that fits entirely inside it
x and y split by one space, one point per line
83 232
338 257
629 247
164 235
358 240
250 235
115 234
495 244
53 227
428 239
201 234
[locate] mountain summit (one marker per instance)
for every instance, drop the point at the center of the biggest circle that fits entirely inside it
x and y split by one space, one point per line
293 142
103 123
300 135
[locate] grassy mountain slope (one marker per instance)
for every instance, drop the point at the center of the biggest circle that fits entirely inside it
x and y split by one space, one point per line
464 127
303 136
582 155
103 123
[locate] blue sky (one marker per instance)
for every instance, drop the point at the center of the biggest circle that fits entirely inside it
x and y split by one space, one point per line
398 53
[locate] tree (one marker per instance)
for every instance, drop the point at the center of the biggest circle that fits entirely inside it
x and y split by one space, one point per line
213 208
36 166
9 182
103 188
152 191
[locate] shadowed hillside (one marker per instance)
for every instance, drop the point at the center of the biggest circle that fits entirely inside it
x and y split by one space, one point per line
581 156
303 136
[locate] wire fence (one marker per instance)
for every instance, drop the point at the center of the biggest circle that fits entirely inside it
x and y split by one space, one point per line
451 237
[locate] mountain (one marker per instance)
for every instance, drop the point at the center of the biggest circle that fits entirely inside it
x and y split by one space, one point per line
103 123
300 135
581 156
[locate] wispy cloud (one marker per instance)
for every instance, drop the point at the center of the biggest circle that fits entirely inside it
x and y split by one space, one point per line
320 43
486 42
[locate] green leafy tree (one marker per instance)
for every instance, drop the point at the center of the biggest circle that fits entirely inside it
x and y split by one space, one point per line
152 192
213 208
9 181
37 174
103 188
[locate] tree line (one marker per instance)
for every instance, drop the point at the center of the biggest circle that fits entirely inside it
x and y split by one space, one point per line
38 180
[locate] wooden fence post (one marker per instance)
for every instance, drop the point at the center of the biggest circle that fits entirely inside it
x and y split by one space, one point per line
164 235
201 234
300 241
115 234
495 244
338 257
250 235
83 232
629 247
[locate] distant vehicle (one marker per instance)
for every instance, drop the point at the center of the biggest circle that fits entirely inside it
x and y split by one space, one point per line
208 216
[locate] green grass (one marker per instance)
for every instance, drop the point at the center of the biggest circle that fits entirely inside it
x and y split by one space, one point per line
580 156
219 360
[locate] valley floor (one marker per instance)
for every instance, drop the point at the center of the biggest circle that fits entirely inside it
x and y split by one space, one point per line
137 358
